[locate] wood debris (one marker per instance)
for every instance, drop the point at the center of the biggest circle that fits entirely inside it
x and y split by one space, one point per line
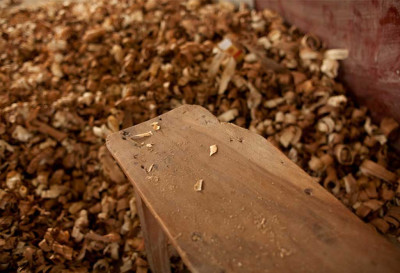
155 125
229 115
142 135
153 178
72 74
213 149
227 75
199 185
150 168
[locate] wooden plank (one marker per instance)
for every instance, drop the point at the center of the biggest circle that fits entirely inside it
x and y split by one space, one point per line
154 239
257 212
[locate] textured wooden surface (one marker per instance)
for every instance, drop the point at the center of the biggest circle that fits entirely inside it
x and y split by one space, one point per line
257 212
155 239
370 29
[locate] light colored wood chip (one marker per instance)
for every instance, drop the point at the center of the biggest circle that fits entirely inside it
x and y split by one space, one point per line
149 145
272 103
199 185
229 115
337 101
147 134
150 168
213 149
155 125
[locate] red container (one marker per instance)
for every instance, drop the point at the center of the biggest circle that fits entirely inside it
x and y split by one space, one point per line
370 29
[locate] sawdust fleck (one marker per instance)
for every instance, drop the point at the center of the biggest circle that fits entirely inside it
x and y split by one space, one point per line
149 169
147 134
199 185
213 149
155 125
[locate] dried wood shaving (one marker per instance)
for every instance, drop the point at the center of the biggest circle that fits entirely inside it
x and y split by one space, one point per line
227 75
213 149
369 167
147 134
228 115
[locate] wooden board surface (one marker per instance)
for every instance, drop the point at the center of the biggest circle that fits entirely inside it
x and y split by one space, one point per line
257 212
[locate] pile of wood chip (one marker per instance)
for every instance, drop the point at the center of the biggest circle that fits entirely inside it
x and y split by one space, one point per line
72 74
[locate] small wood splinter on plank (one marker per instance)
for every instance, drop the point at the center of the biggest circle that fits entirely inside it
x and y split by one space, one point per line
199 185
213 149
155 125
150 168
147 134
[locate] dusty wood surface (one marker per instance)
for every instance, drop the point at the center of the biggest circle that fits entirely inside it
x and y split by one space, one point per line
257 212
155 239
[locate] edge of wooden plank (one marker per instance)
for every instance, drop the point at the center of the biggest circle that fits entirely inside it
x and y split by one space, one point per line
331 198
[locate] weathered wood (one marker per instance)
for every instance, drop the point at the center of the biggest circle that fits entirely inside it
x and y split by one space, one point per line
257 211
154 239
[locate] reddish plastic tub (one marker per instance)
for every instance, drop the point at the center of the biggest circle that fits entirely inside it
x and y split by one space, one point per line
370 29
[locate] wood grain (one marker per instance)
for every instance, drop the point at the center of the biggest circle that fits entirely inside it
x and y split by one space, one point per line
154 239
257 212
